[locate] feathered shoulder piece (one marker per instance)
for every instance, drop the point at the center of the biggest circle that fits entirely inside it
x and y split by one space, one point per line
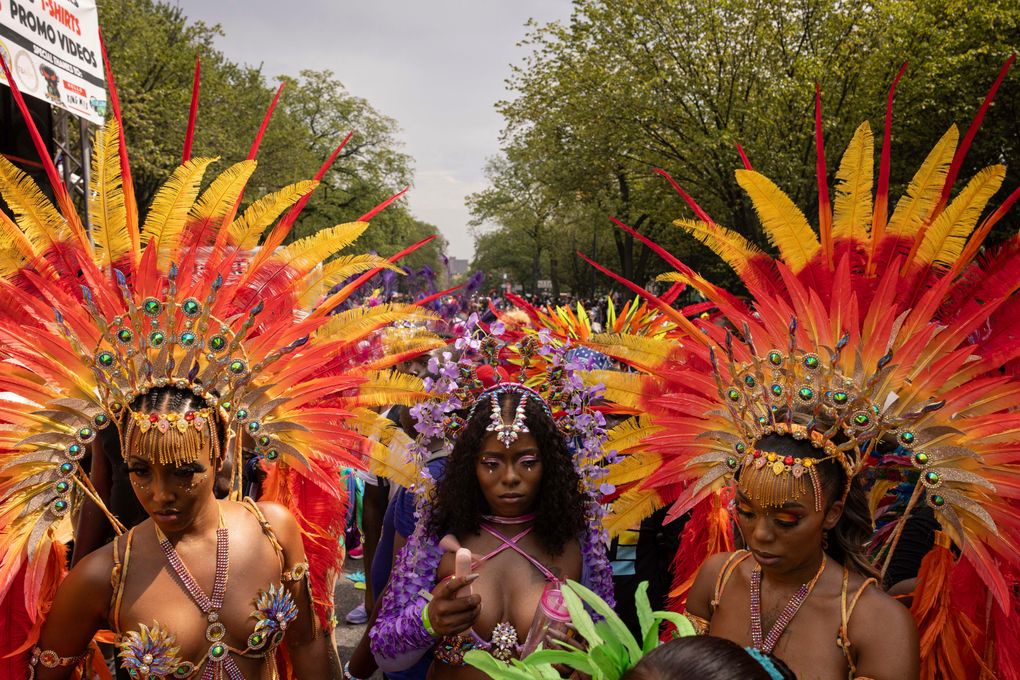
92 320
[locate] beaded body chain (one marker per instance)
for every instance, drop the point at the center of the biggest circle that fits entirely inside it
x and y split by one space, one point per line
215 632
785 617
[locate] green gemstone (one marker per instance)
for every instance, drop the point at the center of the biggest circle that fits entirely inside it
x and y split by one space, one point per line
840 397
191 307
750 381
861 419
264 440
731 462
237 367
777 390
66 468
101 419
734 395
61 486
60 505
152 306
273 454
255 640
156 338
125 336
254 426
226 406
907 437
105 359
921 458
806 393
740 447
932 477
217 651
187 339
763 421
85 433
811 362
242 413
116 407
938 501
217 343
74 449
775 358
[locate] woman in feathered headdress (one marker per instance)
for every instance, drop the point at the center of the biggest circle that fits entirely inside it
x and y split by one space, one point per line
510 503
180 338
866 368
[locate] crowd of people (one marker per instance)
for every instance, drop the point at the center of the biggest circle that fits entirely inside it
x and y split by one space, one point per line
815 480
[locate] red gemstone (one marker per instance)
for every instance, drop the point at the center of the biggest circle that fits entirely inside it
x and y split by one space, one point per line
757 454
788 460
153 417
189 416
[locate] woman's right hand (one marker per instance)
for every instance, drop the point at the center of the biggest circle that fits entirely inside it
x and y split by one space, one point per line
449 613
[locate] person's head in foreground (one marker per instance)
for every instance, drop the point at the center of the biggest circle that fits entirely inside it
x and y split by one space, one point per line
707 658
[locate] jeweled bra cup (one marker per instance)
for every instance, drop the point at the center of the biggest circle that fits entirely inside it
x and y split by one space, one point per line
152 652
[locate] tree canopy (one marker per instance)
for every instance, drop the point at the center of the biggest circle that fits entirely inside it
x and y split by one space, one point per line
152 47
625 87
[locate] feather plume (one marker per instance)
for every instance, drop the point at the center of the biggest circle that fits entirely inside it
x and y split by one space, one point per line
944 240
304 254
624 389
734 249
321 279
629 434
168 214
15 248
106 206
246 230
390 387
633 468
34 214
630 508
853 209
217 202
634 350
914 208
782 220
353 324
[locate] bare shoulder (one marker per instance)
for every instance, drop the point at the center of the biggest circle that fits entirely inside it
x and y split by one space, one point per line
883 636
699 599
89 581
283 523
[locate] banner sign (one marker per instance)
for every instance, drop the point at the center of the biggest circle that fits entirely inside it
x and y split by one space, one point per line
52 49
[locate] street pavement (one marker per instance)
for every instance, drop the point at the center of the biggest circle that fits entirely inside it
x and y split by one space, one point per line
347 597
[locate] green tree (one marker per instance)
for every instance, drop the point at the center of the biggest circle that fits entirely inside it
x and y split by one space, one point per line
625 87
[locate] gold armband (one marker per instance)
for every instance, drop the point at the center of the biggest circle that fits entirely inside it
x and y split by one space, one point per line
50 659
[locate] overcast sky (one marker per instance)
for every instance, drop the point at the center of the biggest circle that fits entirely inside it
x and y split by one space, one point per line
436 66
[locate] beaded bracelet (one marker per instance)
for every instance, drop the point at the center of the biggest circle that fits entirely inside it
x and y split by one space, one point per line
347 672
50 659
425 621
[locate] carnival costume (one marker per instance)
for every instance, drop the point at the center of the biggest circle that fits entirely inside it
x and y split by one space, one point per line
879 341
92 320
544 374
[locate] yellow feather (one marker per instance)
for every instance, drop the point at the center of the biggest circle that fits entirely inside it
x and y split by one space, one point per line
852 216
246 229
106 204
321 279
33 212
633 468
15 249
220 197
621 388
168 214
734 249
914 208
419 343
945 238
388 452
305 254
629 434
386 388
353 324
629 509
640 351
782 220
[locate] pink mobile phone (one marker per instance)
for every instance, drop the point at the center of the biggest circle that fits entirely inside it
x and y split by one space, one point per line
462 568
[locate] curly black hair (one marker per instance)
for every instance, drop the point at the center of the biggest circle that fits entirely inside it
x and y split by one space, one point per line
848 540
459 503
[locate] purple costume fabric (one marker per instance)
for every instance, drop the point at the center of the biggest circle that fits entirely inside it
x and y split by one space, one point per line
398 637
